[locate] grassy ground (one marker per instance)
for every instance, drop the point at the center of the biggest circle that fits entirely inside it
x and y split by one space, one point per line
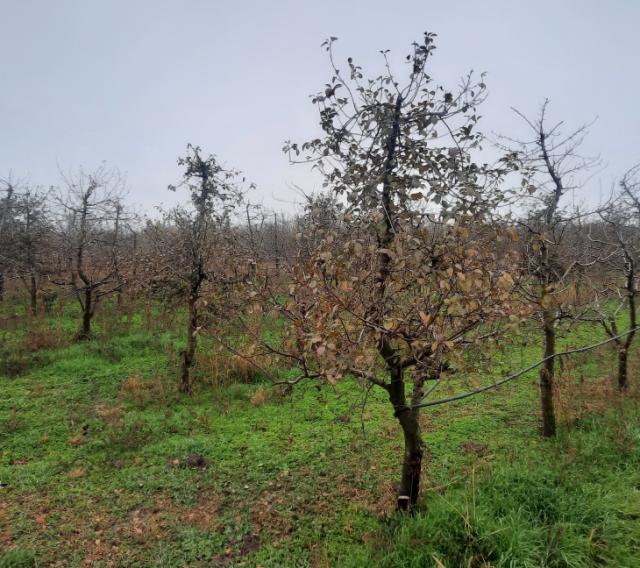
103 464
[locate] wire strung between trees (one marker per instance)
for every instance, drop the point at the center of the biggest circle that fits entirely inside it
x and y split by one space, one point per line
519 373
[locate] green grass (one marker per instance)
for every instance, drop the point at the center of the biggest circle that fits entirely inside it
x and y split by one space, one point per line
93 473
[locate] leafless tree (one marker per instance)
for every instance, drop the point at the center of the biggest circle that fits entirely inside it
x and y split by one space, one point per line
552 169
629 193
31 240
89 214
7 218
618 239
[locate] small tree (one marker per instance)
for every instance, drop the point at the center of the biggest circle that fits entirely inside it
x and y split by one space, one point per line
88 237
411 282
629 193
7 227
551 165
618 237
31 240
193 241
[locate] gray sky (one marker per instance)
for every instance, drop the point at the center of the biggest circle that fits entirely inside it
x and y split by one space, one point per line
131 82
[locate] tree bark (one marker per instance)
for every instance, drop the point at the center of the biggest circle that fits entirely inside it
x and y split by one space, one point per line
33 294
87 314
623 352
547 377
622 367
189 352
409 488
48 300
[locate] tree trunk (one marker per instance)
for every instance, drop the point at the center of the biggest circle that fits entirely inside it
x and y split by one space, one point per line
622 367
87 314
48 300
409 488
33 294
547 377
623 352
189 352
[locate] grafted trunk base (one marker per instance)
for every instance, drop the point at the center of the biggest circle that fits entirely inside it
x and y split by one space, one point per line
409 487
409 490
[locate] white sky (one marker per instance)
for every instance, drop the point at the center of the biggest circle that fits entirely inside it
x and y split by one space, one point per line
133 81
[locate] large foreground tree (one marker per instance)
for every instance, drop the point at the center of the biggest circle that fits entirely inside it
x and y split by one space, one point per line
410 280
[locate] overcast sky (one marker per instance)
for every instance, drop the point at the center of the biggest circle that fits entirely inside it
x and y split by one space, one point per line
131 82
